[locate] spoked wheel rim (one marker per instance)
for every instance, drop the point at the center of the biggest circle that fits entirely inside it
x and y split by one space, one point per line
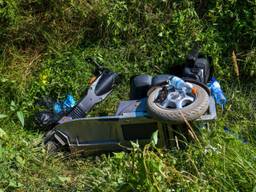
189 111
175 99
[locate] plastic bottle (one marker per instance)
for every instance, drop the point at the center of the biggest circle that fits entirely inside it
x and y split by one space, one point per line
217 92
180 84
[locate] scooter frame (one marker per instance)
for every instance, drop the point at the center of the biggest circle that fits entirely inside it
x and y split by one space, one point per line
94 135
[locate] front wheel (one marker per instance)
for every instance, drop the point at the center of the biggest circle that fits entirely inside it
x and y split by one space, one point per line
52 147
177 105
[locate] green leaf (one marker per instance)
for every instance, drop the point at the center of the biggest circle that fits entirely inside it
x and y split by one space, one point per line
119 155
154 138
21 118
14 184
2 116
2 133
20 160
13 106
64 179
135 145
160 34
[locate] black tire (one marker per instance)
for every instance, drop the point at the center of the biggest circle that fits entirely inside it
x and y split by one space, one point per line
191 112
52 147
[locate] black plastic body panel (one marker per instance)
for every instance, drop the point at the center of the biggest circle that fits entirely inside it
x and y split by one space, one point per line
97 92
105 83
160 79
142 83
140 86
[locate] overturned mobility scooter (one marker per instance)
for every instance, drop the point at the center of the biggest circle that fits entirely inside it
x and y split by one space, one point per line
163 103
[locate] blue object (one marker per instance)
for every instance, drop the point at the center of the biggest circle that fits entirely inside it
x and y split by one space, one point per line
217 92
57 107
65 106
69 103
180 84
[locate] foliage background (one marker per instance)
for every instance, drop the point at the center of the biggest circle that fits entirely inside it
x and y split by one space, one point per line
42 51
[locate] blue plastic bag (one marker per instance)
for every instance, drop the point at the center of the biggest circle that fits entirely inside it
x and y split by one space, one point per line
65 106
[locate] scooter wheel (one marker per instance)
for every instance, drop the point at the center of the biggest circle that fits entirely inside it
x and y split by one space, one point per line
188 111
52 147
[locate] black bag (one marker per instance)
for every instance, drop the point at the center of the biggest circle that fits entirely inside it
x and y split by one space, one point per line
197 67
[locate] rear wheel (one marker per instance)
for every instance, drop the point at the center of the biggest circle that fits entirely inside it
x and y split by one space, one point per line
177 105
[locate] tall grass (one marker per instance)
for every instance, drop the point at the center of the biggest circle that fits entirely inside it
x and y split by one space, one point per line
42 51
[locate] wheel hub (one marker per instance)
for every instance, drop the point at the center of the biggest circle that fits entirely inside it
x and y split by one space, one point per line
174 95
176 99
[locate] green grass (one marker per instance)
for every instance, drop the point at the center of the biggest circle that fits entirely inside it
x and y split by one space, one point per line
220 162
42 52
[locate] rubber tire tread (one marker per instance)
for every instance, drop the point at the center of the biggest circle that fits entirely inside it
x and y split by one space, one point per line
52 147
190 112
